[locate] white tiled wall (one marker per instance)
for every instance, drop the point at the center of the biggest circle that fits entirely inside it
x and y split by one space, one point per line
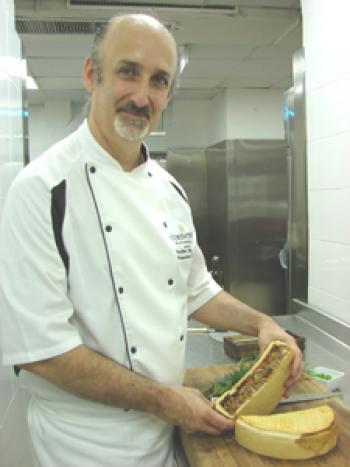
14 444
327 49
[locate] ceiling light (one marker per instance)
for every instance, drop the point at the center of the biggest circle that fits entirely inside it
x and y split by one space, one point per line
17 68
183 57
31 83
11 66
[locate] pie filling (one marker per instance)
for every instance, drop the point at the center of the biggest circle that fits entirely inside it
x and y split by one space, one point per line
254 381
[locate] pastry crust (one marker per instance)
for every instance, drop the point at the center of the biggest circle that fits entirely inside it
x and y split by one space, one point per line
262 387
296 435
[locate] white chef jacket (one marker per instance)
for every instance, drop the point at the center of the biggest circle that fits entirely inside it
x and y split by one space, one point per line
94 255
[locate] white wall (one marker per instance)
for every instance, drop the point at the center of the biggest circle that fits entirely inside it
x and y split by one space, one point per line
254 113
14 442
217 130
51 122
186 124
246 114
189 124
10 153
327 51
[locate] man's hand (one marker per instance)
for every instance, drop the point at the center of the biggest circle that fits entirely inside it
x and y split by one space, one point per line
189 409
93 376
227 312
270 330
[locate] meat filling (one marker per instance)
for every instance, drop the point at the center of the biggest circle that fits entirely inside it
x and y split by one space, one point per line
254 381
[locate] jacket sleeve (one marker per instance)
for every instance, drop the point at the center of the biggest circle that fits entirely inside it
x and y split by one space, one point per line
35 308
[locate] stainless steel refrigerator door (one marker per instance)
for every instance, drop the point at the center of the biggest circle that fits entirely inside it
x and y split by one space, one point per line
188 166
247 218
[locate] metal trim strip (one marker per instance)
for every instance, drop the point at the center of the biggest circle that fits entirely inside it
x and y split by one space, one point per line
336 328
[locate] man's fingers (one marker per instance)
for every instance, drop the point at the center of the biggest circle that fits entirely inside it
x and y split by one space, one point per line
215 424
218 421
296 370
209 430
194 413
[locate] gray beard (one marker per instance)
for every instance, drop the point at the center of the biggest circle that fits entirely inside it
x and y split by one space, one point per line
132 130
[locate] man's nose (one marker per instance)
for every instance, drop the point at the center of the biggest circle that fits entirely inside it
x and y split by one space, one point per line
141 93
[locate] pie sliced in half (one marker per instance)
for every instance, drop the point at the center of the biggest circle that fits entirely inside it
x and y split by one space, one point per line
293 435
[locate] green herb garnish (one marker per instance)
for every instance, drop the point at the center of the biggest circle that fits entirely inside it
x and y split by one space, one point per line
224 383
316 374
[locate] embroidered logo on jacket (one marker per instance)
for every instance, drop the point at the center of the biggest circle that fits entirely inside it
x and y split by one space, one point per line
183 242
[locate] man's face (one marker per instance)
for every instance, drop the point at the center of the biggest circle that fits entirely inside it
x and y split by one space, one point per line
138 67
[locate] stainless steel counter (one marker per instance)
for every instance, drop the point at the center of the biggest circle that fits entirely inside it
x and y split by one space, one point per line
321 349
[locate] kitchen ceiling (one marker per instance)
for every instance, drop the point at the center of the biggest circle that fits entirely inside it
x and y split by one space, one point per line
231 44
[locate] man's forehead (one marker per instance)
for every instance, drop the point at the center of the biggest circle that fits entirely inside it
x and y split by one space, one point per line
133 47
128 28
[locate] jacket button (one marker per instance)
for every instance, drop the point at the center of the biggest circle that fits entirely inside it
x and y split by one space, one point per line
120 290
92 169
108 228
181 337
133 350
170 281
149 174
165 224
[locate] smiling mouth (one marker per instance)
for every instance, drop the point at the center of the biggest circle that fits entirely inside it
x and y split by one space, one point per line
130 114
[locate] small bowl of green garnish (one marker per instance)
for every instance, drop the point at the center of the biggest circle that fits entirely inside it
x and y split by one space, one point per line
327 376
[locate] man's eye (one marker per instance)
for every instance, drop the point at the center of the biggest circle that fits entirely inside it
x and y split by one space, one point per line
126 71
161 81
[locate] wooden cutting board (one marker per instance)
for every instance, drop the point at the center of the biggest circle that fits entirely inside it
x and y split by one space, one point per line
210 451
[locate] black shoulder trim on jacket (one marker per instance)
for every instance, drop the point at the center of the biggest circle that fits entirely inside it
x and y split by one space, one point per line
58 209
181 193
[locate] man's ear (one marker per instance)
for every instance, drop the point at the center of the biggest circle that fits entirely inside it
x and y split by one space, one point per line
89 75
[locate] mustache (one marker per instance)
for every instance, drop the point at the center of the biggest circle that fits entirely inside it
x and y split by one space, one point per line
129 106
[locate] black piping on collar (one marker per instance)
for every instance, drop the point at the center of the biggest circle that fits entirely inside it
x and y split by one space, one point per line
144 152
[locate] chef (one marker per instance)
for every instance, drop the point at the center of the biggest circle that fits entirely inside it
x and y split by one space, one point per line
100 271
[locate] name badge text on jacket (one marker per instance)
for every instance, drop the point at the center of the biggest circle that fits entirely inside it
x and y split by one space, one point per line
183 242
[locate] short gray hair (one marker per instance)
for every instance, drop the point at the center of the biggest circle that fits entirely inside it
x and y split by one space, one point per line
95 53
